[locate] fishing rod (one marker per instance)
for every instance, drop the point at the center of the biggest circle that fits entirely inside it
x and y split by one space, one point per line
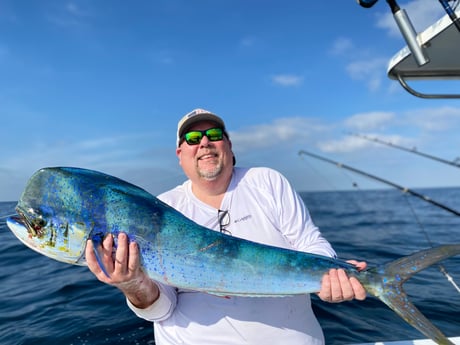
451 13
403 189
413 150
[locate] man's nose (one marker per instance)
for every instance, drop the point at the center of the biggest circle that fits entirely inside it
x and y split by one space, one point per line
204 141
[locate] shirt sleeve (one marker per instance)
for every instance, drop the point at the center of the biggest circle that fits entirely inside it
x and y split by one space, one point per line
296 223
162 308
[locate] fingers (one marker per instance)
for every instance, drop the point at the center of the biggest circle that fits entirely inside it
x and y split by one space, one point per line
325 292
121 255
359 291
120 265
124 270
133 258
337 287
105 256
360 265
91 260
106 253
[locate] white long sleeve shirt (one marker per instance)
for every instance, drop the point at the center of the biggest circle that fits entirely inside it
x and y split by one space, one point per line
262 207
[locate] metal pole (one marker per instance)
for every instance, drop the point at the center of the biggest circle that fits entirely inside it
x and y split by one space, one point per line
408 32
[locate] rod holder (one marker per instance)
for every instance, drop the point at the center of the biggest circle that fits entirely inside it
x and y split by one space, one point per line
410 36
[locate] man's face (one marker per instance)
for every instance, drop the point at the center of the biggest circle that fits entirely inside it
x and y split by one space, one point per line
207 159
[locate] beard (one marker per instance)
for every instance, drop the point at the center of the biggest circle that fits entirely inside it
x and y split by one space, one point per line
210 173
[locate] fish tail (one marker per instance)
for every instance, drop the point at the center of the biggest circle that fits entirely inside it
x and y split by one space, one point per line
386 283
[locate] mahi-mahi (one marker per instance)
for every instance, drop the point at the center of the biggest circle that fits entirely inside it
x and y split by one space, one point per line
61 208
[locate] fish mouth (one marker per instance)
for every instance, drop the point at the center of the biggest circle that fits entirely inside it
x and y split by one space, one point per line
20 220
33 225
17 219
20 229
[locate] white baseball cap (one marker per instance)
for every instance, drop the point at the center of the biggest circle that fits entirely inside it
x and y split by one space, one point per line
197 115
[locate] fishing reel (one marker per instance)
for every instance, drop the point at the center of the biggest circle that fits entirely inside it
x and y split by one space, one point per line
367 3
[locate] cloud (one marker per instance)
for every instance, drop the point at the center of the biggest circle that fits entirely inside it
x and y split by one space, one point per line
279 131
347 144
69 15
372 71
94 152
404 128
364 66
287 80
422 120
435 119
360 63
342 46
129 156
369 121
410 129
353 143
133 156
75 10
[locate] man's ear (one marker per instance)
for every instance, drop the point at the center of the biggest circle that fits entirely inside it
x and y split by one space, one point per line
178 153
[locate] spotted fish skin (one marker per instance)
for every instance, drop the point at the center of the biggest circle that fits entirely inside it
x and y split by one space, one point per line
62 208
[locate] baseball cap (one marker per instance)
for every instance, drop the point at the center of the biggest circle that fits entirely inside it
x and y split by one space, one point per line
197 115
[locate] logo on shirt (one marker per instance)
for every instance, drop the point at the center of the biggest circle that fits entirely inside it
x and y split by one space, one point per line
243 219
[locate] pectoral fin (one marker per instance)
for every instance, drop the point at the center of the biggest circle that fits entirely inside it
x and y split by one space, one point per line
97 247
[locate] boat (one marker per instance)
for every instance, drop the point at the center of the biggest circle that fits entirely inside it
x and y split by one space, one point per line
439 45
455 340
430 55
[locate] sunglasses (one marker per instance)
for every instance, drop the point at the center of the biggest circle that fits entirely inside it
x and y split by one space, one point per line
194 137
224 221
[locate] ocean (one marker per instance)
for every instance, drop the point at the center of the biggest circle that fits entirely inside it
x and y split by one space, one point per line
43 301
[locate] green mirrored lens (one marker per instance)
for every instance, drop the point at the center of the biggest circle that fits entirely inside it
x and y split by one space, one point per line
214 134
194 137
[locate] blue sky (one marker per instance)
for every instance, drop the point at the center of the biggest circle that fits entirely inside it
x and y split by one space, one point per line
102 84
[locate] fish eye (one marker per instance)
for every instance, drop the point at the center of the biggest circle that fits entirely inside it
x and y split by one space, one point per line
37 225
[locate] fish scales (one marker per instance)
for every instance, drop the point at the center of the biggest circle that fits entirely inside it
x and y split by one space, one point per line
62 208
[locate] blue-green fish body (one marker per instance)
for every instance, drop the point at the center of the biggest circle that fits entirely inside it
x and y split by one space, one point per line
61 208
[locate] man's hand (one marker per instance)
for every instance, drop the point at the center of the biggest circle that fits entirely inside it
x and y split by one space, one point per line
337 287
124 270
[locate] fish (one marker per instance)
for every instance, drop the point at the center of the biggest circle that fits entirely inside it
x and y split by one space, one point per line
61 208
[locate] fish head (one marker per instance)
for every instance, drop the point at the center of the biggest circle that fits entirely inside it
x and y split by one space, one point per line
51 219
59 241
61 208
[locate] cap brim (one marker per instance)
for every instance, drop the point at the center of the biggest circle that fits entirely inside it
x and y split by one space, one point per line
200 118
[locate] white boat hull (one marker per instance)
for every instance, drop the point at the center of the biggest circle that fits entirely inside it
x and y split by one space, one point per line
455 340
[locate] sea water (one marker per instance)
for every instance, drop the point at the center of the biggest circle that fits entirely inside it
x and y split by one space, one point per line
43 301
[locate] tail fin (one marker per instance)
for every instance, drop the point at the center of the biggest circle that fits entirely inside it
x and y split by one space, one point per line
388 281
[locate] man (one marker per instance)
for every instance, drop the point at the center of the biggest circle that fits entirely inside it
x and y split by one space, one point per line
252 203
